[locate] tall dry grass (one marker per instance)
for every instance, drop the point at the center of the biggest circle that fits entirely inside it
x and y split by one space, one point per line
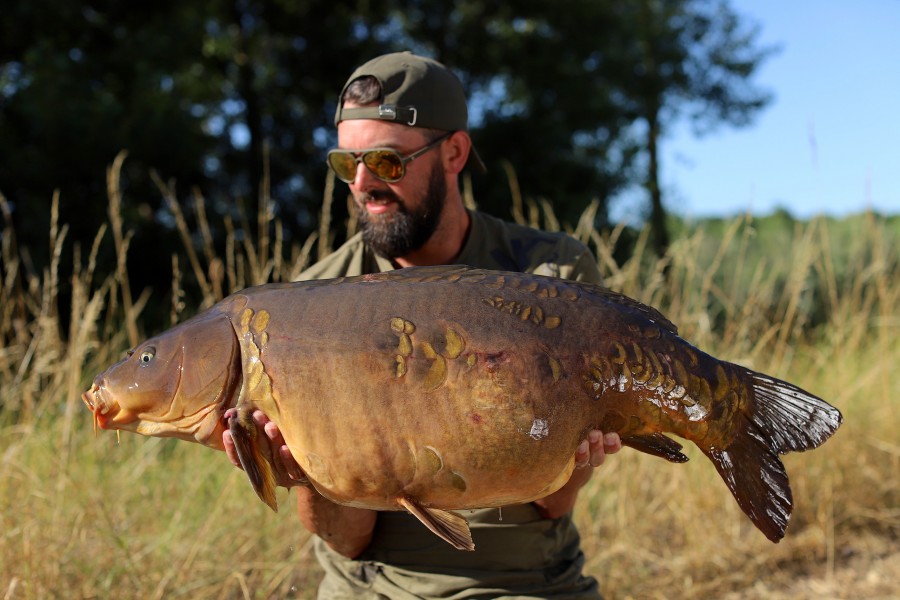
90 517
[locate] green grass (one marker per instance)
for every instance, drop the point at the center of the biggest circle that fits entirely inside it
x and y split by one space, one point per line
82 516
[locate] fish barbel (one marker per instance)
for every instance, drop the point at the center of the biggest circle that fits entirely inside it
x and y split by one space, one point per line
434 389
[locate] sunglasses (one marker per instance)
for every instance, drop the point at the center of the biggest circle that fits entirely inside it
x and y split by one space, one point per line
384 163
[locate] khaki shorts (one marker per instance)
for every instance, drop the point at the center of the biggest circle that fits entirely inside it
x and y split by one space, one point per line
517 554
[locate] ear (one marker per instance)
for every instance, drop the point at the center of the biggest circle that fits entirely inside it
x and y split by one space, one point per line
456 151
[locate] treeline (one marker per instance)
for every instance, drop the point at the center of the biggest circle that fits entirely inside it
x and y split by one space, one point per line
233 101
814 263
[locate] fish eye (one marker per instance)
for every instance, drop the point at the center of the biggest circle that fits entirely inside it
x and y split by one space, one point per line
147 356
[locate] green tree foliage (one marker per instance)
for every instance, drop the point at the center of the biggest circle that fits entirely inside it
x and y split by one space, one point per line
194 92
80 82
686 56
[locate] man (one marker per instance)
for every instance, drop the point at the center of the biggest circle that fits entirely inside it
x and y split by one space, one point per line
402 142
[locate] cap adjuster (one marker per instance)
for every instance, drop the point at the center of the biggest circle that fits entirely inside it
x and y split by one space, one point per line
392 112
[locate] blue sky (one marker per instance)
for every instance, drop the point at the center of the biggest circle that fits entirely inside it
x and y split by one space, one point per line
830 141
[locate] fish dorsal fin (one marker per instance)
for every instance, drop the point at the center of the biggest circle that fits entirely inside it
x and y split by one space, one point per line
255 460
656 444
447 525
648 312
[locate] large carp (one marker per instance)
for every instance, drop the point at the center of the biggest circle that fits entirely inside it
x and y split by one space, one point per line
439 388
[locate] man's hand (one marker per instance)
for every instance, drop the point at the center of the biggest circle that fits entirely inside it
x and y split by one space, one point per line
590 453
288 473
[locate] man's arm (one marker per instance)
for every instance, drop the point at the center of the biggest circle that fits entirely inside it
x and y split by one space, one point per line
345 529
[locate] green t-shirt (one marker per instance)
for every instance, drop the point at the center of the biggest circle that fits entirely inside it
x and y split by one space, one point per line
518 553
492 244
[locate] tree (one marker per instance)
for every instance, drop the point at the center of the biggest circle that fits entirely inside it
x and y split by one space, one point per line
687 56
80 83
196 93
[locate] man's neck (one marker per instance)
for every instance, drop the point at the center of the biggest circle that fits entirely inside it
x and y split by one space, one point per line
447 241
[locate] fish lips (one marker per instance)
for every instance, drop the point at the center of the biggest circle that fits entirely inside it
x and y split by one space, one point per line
97 400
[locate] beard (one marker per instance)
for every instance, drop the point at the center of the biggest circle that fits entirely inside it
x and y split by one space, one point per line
404 230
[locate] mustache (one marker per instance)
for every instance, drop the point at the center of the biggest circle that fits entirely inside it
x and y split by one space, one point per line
380 195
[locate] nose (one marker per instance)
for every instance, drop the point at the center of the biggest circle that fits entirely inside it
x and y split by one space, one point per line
364 180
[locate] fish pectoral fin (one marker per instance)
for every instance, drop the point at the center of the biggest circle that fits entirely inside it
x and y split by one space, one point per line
656 444
256 461
447 525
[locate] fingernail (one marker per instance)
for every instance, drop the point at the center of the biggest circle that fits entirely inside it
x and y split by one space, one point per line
583 447
594 436
611 439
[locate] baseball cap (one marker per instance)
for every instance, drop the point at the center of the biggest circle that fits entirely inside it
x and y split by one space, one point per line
415 91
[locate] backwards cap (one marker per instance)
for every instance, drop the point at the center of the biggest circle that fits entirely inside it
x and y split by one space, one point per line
415 91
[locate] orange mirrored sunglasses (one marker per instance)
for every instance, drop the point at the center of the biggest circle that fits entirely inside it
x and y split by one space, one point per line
386 164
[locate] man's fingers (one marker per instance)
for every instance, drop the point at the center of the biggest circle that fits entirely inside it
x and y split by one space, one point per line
260 418
273 433
230 450
612 443
592 451
582 455
595 443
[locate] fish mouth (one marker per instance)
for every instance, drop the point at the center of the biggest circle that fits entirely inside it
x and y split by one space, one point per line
97 400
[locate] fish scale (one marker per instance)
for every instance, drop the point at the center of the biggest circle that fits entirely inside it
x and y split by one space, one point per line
435 389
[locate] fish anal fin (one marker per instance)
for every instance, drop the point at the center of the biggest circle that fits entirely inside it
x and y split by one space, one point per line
447 525
255 457
656 444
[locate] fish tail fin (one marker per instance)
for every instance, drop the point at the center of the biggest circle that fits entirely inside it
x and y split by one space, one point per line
783 418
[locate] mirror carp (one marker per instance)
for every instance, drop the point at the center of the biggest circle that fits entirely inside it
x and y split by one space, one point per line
435 389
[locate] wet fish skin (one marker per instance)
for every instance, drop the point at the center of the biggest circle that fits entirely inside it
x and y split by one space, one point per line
432 389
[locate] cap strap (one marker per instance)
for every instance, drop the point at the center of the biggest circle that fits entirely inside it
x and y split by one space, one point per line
385 112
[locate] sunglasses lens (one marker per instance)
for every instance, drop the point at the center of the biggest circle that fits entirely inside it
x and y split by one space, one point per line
384 164
343 164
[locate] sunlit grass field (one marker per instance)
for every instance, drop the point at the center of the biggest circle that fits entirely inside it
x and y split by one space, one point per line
85 516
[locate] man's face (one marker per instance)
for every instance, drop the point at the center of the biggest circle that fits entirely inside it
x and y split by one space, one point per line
395 218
